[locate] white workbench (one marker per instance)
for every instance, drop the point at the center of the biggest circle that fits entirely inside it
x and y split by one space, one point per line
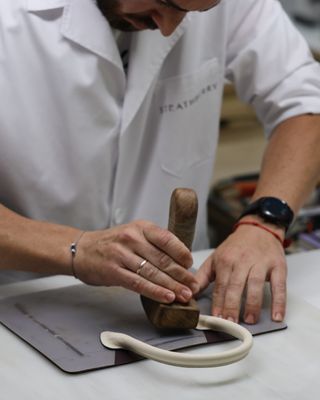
282 365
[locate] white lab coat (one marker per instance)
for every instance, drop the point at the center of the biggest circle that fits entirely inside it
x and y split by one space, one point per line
84 145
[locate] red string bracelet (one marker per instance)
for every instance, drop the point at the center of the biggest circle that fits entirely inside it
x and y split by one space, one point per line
285 243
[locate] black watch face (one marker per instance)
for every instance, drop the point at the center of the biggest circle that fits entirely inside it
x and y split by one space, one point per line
277 210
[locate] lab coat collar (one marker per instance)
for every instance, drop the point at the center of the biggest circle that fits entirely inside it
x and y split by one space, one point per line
42 5
148 48
148 51
83 23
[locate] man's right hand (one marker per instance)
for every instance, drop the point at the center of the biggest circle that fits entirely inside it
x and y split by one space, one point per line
113 257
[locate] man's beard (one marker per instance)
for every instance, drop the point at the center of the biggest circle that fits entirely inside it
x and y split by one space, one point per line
110 10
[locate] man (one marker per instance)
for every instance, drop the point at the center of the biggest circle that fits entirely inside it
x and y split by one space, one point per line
92 141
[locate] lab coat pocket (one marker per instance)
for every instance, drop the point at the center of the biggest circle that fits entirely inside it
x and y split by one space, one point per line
187 109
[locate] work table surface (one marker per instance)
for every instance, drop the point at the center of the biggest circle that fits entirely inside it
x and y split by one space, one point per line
281 365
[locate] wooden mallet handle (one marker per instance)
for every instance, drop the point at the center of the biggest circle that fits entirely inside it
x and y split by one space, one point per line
182 221
183 215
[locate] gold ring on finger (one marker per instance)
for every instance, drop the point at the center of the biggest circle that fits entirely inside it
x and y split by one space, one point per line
141 265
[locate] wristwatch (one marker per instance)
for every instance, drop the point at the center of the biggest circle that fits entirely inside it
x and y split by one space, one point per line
272 210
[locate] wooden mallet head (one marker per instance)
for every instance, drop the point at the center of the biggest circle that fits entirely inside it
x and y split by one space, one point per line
182 221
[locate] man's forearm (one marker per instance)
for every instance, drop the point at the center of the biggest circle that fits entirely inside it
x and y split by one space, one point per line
139 256
34 245
291 163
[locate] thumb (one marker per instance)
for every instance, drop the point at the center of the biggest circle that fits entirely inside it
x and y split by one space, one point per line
205 275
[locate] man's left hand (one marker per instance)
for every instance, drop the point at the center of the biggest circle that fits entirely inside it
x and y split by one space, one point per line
240 266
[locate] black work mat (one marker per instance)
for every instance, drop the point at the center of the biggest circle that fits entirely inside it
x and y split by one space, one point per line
65 325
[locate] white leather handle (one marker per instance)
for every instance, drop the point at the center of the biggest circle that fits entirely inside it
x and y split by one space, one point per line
114 340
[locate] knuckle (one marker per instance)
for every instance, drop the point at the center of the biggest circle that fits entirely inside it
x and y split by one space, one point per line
232 304
164 261
256 281
127 235
139 222
230 310
254 300
279 301
147 289
219 294
149 272
279 296
236 286
220 288
137 285
165 238
143 224
280 287
157 292
182 275
184 257
232 298
278 264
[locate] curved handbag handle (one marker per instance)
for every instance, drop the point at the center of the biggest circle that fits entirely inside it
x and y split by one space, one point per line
114 340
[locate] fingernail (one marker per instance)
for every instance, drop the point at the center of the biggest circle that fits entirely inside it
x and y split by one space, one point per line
230 319
170 297
186 294
249 319
278 317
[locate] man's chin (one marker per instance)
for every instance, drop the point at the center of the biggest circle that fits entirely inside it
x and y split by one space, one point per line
126 26
131 28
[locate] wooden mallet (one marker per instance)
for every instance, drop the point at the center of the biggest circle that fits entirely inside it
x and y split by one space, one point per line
182 221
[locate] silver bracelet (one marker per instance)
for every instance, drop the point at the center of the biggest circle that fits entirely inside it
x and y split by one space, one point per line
73 251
